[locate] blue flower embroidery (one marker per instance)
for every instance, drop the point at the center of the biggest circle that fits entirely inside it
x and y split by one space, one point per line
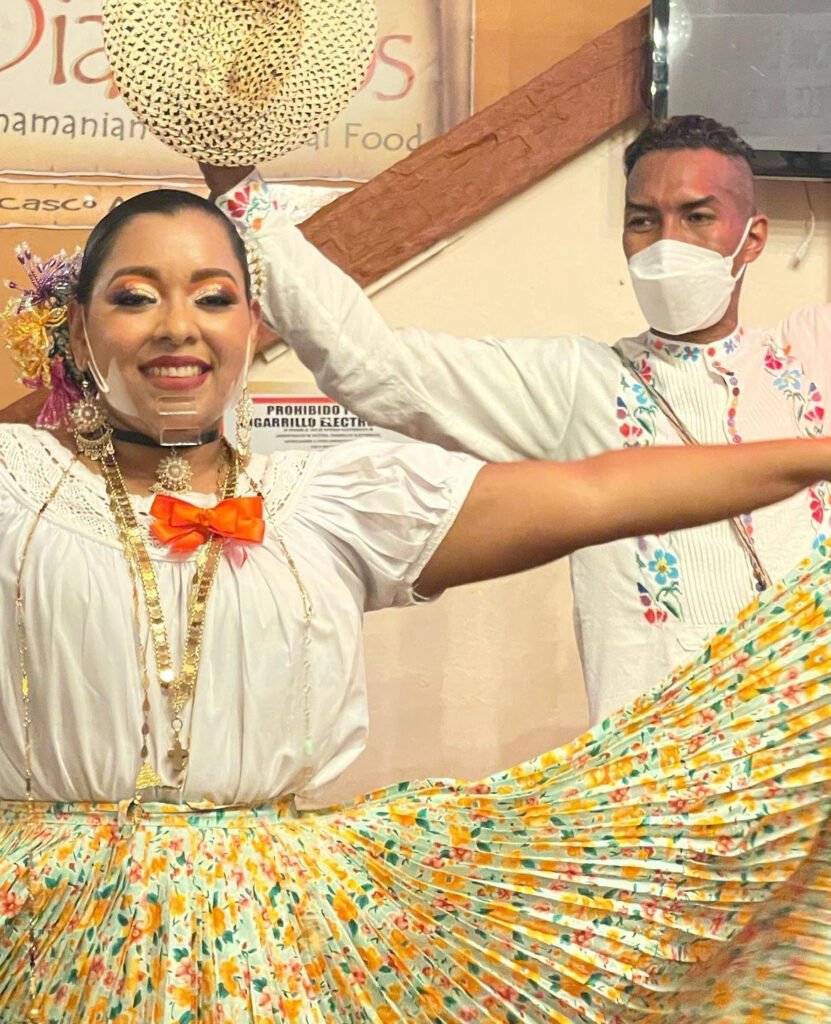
664 566
788 381
659 588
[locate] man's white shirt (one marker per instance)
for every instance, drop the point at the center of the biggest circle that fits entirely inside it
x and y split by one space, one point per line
642 606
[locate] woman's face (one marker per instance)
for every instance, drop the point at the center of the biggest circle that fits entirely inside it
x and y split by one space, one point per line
167 324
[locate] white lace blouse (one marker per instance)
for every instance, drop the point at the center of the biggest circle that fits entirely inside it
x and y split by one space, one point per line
360 521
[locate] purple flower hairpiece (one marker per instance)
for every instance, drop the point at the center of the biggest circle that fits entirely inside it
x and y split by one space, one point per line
53 282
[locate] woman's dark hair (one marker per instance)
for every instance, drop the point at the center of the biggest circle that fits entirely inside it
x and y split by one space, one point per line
166 201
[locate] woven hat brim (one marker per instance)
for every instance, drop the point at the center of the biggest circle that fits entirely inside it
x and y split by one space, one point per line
220 102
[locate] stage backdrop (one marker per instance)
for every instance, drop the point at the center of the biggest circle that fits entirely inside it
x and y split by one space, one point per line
61 118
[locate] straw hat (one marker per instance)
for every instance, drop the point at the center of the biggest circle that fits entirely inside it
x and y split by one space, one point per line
235 82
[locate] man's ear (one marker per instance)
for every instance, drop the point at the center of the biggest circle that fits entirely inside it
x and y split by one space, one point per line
756 238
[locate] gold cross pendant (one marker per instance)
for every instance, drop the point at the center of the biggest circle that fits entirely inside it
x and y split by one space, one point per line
179 756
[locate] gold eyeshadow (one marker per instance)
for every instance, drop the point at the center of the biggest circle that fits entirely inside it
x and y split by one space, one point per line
132 286
216 289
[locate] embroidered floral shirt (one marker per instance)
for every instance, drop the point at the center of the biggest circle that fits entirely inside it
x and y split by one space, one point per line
641 605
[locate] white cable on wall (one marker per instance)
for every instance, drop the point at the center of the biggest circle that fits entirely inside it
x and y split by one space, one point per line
801 250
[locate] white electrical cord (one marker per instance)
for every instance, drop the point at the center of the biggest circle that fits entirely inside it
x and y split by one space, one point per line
801 251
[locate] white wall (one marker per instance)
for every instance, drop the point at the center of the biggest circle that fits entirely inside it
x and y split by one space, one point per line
488 675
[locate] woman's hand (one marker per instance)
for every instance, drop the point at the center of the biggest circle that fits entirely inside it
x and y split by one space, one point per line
222 179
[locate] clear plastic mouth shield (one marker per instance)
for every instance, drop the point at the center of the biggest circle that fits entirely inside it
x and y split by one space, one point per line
179 418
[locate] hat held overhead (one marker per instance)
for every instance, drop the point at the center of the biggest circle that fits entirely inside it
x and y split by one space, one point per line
237 82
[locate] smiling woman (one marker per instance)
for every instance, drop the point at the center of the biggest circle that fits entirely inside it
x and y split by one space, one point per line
181 664
165 292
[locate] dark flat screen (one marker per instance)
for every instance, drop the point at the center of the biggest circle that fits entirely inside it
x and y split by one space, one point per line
762 66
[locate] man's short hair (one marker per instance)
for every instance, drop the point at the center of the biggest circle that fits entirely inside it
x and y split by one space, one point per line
687 131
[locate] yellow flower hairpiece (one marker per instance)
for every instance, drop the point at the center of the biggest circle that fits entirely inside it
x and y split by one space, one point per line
27 336
35 330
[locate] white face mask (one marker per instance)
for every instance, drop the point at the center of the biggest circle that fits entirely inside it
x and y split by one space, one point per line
683 288
175 423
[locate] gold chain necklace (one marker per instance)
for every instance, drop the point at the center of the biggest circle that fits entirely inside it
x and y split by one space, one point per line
143 578
178 687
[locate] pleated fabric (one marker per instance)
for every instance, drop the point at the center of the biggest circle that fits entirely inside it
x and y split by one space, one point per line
672 864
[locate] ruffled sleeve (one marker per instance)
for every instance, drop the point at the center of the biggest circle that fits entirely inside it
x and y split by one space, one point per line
385 508
22 466
6 501
500 399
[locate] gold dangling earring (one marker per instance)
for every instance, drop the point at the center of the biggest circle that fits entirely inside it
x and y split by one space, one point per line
244 416
89 426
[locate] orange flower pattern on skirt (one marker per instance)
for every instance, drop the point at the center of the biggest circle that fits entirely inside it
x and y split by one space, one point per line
673 864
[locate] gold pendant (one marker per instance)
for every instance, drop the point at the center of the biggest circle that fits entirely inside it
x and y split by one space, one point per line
179 756
147 778
173 474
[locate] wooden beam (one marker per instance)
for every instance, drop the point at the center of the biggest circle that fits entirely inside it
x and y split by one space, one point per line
453 181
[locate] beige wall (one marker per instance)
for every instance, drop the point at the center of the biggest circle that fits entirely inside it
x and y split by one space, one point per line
488 675
517 39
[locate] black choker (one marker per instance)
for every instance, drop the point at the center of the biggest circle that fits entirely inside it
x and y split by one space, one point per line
133 437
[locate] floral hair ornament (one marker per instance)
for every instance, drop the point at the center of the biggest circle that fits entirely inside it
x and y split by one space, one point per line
35 330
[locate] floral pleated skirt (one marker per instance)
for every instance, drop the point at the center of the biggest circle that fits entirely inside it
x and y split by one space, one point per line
673 864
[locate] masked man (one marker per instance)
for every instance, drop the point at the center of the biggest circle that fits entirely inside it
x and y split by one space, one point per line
691 229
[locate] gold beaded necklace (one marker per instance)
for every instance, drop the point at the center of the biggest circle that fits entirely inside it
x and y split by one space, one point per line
178 687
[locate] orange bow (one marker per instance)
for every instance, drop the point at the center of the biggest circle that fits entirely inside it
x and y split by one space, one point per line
185 527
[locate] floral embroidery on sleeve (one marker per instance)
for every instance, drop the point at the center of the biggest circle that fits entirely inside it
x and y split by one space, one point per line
659 589
250 204
789 377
